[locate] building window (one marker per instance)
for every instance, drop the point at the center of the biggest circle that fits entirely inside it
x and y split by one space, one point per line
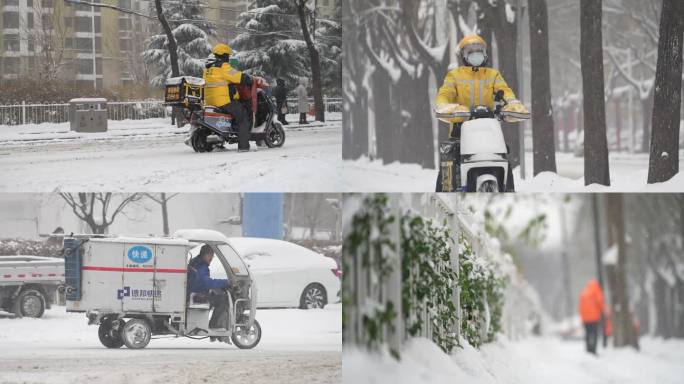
29 3
29 20
10 20
85 44
83 24
11 43
10 2
125 24
31 45
11 65
46 3
47 22
125 4
125 44
85 66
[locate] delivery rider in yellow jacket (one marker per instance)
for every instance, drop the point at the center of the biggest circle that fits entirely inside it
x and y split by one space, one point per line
472 84
220 91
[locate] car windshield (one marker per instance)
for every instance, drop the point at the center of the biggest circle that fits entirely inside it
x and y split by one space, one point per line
233 259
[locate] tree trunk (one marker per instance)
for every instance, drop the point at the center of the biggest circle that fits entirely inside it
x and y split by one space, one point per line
506 35
315 62
543 134
173 47
165 213
591 54
664 155
623 327
646 114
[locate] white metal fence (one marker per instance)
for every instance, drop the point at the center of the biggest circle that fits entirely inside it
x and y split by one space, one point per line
20 114
369 292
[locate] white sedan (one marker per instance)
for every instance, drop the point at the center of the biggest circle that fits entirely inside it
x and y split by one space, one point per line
289 275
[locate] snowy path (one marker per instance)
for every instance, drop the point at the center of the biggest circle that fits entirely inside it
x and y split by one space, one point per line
628 174
532 360
149 155
296 346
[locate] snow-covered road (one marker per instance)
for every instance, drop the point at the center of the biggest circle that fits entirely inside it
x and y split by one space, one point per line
297 346
149 155
528 361
628 174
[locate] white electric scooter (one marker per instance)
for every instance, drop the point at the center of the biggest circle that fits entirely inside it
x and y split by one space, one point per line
476 158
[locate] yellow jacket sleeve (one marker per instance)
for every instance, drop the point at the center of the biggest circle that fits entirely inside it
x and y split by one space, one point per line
500 85
230 74
447 92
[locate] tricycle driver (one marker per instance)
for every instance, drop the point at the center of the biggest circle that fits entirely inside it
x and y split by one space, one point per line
201 283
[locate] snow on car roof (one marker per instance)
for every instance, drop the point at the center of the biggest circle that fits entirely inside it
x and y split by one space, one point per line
278 254
200 235
253 244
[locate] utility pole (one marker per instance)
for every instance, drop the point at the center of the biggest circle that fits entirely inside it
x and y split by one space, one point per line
519 14
92 24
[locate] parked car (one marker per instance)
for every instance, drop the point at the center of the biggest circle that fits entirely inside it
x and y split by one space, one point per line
28 283
289 275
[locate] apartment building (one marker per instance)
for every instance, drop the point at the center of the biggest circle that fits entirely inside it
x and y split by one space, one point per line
77 42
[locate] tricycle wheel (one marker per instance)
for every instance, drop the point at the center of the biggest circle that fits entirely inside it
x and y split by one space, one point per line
109 334
245 338
136 333
275 135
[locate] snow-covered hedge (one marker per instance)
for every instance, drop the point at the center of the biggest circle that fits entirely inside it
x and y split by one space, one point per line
428 280
29 247
482 296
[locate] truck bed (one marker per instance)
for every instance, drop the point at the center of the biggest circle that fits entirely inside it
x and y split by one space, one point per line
31 269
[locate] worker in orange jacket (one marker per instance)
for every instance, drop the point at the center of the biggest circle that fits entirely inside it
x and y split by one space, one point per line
591 307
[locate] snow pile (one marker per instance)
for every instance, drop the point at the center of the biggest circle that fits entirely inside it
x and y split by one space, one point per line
534 360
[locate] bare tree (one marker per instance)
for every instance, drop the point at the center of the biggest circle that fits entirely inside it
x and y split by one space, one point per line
543 133
98 210
591 52
163 199
315 59
47 32
664 156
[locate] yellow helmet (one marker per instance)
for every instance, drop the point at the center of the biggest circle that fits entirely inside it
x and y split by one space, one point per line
472 40
476 45
222 49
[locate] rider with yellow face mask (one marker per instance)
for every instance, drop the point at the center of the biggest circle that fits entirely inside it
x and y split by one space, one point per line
472 84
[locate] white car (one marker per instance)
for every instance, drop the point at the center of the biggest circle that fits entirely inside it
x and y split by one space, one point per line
289 275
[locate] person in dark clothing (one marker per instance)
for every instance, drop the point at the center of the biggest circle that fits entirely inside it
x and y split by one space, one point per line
200 281
280 94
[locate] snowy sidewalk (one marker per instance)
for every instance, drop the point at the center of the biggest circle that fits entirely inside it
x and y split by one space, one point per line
628 174
62 348
528 361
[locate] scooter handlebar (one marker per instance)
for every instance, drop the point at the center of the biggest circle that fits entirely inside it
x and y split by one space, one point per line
515 115
453 115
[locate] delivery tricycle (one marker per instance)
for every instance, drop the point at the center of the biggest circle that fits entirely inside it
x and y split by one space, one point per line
135 288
